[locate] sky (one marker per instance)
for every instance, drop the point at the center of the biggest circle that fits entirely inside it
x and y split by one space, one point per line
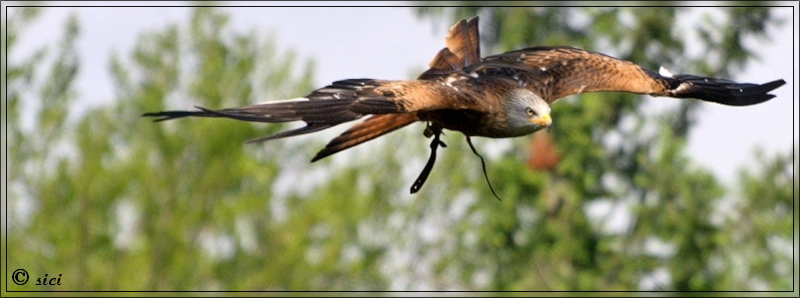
388 43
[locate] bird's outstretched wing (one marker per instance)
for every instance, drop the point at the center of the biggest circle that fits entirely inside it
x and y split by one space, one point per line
393 104
340 102
556 72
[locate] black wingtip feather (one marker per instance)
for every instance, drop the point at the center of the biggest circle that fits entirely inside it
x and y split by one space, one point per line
727 92
169 115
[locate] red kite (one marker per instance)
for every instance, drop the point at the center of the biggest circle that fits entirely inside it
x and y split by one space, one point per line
500 96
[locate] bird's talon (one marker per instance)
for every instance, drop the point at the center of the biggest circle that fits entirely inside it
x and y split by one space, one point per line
428 131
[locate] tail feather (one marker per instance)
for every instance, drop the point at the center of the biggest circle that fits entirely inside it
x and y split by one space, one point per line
371 128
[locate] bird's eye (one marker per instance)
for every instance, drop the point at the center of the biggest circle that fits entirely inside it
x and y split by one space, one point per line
530 112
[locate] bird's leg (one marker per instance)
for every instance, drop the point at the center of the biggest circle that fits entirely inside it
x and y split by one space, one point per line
483 165
436 132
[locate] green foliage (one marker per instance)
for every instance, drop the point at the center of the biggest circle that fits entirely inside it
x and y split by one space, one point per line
185 205
130 196
763 220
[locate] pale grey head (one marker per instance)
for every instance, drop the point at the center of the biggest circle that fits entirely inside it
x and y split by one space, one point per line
526 113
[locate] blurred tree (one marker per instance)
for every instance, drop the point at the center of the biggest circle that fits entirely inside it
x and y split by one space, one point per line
184 205
113 195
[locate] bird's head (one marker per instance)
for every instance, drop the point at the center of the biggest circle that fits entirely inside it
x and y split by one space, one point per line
526 112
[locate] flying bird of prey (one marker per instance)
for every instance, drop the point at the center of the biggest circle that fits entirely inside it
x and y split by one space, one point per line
500 96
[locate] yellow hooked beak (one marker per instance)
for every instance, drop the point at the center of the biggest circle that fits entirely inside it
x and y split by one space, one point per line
543 120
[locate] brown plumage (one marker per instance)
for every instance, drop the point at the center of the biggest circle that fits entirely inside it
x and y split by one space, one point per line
505 95
371 128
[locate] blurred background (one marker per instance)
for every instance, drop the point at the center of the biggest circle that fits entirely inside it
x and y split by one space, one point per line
625 193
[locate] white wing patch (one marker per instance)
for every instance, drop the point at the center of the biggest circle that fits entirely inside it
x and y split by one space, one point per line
296 99
683 86
664 72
